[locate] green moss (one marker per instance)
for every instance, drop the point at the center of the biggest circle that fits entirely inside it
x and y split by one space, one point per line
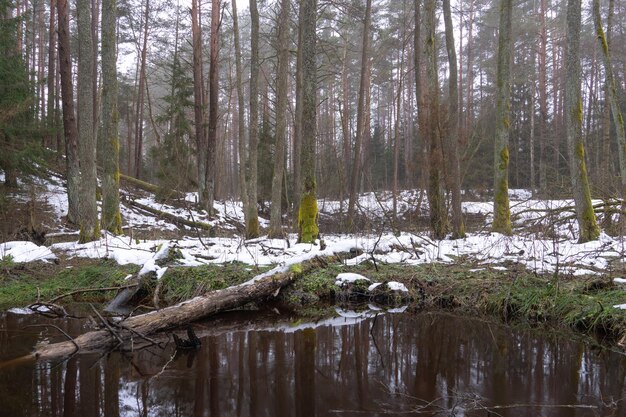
253 227
502 211
307 219
296 268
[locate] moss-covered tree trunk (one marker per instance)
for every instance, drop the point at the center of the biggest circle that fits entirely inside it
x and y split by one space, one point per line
612 95
252 227
573 121
276 226
452 136
89 227
308 214
110 141
436 195
501 209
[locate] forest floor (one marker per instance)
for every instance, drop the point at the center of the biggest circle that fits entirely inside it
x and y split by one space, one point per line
540 275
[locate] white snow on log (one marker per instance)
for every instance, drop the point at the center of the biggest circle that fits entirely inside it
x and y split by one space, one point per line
397 286
349 278
619 280
620 306
373 286
22 251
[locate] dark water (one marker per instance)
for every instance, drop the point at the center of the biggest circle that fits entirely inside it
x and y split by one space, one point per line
394 365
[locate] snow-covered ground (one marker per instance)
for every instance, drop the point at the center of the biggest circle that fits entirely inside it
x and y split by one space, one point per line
531 249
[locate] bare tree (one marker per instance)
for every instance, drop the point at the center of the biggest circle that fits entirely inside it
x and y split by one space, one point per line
585 215
211 170
110 142
69 117
308 213
198 97
501 209
88 220
281 120
452 137
361 112
252 227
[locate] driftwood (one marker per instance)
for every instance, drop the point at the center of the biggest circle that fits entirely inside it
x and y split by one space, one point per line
179 221
264 286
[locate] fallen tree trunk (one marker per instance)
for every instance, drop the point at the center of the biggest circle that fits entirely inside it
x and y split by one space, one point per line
261 287
146 186
179 221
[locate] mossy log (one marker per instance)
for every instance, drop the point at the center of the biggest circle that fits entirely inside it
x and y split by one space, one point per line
146 186
262 287
179 221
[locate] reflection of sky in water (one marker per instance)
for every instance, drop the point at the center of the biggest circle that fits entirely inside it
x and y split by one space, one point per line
339 366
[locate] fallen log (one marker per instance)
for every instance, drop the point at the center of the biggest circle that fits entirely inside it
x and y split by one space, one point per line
179 221
146 186
263 286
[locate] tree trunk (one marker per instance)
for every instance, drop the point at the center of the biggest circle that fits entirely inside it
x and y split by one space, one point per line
436 196
211 170
361 114
308 212
452 137
69 118
241 137
588 228
501 209
281 120
141 89
198 98
612 96
297 128
52 58
89 227
252 228
110 141
543 101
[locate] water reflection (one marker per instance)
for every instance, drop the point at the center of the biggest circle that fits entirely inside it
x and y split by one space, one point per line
394 364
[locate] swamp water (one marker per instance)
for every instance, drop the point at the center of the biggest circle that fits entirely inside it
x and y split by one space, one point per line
393 364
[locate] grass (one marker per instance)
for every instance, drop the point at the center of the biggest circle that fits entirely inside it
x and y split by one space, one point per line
22 284
181 283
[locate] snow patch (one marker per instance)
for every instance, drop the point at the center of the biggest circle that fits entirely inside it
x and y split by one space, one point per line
23 251
349 278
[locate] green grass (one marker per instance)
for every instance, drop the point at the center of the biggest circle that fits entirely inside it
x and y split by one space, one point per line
181 283
22 285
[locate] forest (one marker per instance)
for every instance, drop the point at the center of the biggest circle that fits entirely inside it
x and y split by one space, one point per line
169 162
401 206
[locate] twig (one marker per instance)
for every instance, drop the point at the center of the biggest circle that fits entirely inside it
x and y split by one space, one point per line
106 324
122 287
70 338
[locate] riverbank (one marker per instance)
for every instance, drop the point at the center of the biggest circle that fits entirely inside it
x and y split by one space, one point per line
512 294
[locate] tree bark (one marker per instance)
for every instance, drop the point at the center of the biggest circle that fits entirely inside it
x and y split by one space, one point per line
211 170
588 228
501 209
199 104
140 95
69 118
543 101
308 213
452 137
281 120
436 196
612 97
89 227
252 228
110 141
360 115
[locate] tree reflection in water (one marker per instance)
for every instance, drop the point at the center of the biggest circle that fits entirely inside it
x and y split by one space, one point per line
430 362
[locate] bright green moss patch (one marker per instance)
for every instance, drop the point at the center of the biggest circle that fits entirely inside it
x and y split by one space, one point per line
307 219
